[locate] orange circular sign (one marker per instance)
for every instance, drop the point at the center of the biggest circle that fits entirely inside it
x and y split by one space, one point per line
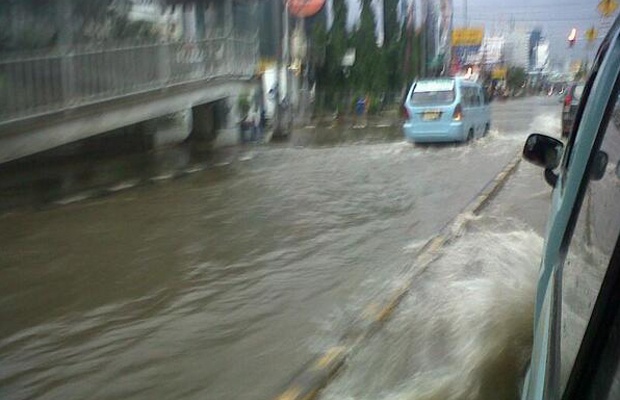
304 8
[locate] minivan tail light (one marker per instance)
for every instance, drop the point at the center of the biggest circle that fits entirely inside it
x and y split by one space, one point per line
405 112
457 115
568 100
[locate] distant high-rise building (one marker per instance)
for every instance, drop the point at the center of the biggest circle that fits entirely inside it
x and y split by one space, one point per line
492 50
535 39
542 56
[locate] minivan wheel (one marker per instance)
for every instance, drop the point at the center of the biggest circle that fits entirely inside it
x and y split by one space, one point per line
470 135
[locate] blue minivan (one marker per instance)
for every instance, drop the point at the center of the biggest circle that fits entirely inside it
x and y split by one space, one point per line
446 110
576 348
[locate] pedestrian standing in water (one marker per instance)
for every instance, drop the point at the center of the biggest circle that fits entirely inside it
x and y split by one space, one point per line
366 107
263 123
253 122
360 106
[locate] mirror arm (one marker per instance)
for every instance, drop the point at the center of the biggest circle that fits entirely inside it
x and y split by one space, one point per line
551 177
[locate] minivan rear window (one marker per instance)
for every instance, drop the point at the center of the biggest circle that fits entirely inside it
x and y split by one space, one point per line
433 92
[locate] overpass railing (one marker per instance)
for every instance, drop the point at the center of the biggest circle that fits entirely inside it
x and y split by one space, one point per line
56 80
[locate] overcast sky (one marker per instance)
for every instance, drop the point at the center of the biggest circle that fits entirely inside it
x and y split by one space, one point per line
555 17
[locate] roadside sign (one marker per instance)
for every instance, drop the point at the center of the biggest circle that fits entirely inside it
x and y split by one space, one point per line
466 44
591 35
607 7
498 73
349 58
467 37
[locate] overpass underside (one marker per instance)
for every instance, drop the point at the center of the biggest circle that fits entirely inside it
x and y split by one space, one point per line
54 98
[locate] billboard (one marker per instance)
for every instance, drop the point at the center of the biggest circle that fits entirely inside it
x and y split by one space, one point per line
441 15
466 44
467 37
499 73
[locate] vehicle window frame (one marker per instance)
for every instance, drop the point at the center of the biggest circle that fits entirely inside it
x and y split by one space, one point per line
551 365
594 365
412 92
478 96
464 94
600 133
583 360
485 97
568 152
574 95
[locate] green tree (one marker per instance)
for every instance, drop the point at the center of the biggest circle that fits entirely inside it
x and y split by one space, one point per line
318 40
515 78
392 44
368 73
330 74
377 69
392 27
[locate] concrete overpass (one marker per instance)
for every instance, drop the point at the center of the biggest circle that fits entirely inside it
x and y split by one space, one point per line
54 97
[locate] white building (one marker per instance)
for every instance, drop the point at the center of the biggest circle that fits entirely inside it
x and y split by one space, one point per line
180 21
542 56
492 50
146 10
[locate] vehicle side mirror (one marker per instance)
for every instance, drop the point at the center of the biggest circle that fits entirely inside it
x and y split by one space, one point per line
599 166
543 150
546 152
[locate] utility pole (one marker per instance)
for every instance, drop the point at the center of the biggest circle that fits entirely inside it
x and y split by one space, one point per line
276 16
280 16
466 18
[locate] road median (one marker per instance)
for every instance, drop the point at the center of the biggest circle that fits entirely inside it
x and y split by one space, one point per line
312 378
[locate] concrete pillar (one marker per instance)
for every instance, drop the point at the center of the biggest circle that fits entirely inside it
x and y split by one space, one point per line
228 133
170 129
204 129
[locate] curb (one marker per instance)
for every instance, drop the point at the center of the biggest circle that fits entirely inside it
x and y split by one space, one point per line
122 186
312 378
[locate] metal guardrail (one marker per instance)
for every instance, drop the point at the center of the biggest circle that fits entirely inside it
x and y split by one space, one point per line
56 80
343 102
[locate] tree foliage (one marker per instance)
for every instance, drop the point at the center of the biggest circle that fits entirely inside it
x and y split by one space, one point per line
329 72
378 67
515 77
368 73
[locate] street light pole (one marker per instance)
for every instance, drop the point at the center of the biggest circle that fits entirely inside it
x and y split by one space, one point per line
282 62
286 54
276 11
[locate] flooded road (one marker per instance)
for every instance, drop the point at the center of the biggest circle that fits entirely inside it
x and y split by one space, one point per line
223 283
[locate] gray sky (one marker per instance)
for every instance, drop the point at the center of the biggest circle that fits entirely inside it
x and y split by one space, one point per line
555 17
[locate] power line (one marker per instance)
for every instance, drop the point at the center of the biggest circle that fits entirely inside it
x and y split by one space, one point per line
592 19
526 12
550 6
546 12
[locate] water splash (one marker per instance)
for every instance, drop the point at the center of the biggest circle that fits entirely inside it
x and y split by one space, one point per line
548 124
464 333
